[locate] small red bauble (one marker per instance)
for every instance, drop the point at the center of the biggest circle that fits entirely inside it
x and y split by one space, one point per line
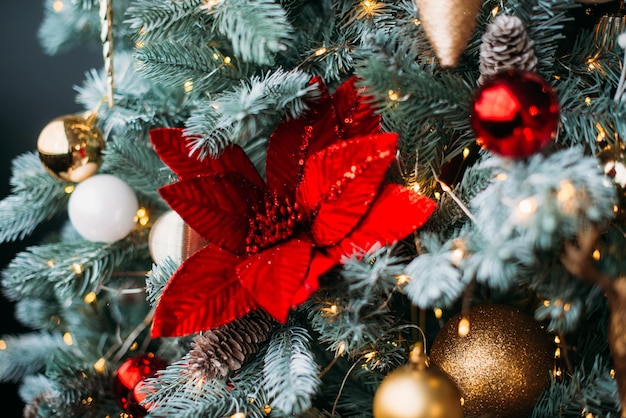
130 377
515 114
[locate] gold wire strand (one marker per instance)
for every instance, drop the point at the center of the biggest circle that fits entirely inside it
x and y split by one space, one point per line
106 36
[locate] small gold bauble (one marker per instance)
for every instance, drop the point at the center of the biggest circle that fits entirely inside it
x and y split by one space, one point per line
502 366
414 391
171 237
70 147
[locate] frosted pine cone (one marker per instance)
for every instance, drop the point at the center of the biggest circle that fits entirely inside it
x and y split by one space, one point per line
506 46
216 352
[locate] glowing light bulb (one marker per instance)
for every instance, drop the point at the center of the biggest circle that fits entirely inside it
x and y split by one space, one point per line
464 327
100 365
67 338
90 297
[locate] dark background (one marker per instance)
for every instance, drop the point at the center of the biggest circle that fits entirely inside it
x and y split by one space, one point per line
34 89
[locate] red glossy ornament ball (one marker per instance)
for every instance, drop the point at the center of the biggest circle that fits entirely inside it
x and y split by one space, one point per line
515 114
130 377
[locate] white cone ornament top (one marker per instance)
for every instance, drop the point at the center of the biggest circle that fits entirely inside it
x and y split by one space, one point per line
103 208
448 25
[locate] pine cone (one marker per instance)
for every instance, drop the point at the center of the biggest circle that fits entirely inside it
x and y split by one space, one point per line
506 46
216 352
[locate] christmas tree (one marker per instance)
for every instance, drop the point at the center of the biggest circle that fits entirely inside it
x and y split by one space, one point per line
326 209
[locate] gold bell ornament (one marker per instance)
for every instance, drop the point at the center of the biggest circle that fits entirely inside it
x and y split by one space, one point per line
448 25
70 147
417 391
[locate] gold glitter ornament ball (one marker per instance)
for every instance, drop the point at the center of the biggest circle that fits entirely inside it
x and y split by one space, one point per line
503 364
70 147
417 391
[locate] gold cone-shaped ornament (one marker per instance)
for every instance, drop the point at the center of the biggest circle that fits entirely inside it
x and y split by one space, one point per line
448 25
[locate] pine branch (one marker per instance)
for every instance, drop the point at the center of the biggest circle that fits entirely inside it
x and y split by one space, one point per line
249 111
592 391
138 165
36 197
290 372
27 354
172 63
356 315
586 121
36 313
67 270
74 379
139 103
157 278
176 393
64 29
545 20
434 280
153 20
257 29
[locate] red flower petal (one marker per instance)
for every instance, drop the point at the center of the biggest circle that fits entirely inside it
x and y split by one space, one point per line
274 276
218 207
340 182
293 140
204 293
173 149
396 213
355 114
320 264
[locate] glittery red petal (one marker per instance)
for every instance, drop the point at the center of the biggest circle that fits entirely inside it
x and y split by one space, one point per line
294 140
274 276
204 293
355 113
173 149
396 213
217 207
340 182
320 264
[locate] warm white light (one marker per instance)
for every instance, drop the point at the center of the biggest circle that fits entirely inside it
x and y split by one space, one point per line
77 268
464 327
393 96
527 206
402 279
90 297
67 338
457 255
57 5
99 365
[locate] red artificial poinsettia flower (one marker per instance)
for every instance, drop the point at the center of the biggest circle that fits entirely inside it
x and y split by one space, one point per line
269 241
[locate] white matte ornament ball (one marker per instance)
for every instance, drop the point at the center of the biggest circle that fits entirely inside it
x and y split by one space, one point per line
171 237
102 208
